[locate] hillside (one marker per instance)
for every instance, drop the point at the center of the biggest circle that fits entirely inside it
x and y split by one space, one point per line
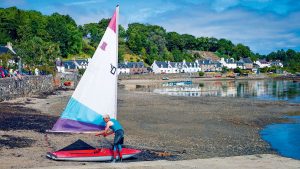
39 39
205 55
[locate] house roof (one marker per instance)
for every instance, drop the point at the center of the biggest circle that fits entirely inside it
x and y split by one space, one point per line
161 64
4 50
131 65
229 60
135 64
82 62
122 65
246 60
69 64
191 64
205 62
263 61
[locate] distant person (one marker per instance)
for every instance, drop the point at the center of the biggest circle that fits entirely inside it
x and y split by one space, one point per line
6 72
36 71
2 75
11 72
113 126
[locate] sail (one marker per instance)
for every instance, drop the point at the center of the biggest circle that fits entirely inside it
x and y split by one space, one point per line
96 93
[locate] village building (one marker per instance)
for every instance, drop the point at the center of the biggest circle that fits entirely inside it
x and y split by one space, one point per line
262 63
74 65
161 67
228 63
276 63
132 68
245 63
7 49
209 65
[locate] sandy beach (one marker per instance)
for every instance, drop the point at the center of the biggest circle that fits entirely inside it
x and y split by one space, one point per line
203 128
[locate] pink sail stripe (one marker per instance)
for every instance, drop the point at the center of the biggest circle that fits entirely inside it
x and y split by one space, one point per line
113 22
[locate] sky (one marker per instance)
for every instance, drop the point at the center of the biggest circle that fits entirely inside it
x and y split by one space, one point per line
263 25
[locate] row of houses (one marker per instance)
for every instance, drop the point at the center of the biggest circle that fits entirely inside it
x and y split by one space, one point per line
246 63
185 67
164 67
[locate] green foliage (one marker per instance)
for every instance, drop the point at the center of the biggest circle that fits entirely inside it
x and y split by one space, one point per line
63 30
224 70
38 36
241 51
238 70
201 74
37 52
81 71
4 59
45 69
290 58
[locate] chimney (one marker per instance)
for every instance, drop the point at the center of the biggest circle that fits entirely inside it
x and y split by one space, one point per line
9 45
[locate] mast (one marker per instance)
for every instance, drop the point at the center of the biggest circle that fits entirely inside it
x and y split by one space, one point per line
117 55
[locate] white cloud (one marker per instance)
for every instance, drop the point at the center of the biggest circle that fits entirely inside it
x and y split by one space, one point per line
262 33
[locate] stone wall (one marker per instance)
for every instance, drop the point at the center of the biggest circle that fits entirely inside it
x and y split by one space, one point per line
10 88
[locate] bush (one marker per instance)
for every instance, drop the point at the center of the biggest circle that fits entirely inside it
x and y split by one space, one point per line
201 74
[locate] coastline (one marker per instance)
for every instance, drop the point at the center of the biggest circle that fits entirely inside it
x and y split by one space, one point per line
188 128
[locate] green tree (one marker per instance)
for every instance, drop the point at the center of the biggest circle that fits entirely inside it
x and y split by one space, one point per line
241 51
63 30
37 52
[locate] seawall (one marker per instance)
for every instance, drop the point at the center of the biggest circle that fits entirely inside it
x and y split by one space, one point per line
11 88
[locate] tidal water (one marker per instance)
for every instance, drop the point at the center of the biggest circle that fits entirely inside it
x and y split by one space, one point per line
284 138
272 90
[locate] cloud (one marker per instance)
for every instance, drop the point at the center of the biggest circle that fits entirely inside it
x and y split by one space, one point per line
263 25
261 32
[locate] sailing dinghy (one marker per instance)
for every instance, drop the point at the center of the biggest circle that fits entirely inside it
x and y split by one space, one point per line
95 96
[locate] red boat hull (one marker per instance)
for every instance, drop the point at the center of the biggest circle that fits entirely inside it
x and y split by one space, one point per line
101 154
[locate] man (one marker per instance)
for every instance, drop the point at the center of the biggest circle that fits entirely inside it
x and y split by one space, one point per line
115 127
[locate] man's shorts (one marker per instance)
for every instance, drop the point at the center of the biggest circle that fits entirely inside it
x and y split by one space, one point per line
119 137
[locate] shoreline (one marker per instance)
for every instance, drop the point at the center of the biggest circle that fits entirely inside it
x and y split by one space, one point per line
209 127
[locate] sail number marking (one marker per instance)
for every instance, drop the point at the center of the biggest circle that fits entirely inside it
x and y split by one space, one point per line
113 69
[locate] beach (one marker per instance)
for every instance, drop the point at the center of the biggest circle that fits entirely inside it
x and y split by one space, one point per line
186 128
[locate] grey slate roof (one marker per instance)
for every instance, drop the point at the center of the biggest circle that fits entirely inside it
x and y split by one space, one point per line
246 60
229 60
263 61
131 65
4 50
69 64
161 64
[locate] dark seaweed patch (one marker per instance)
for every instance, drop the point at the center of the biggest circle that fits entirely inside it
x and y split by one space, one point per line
15 142
22 118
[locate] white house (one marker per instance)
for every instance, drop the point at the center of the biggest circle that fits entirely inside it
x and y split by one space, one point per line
276 63
229 63
123 68
159 67
262 63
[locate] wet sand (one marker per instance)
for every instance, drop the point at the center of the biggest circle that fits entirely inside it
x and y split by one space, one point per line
188 128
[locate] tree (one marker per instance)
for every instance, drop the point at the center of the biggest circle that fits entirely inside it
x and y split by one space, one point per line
225 47
36 52
63 30
241 51
4 58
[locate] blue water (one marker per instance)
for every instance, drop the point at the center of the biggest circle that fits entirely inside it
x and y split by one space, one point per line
284 138
271 90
